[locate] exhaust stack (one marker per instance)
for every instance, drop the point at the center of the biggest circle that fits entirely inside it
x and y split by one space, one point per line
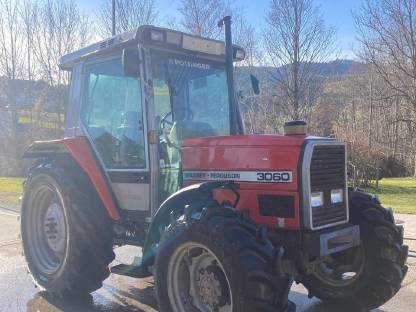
235 118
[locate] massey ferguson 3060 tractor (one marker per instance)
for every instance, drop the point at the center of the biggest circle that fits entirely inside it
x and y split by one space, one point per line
155 155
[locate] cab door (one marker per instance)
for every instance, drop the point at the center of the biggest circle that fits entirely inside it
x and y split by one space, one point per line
113 116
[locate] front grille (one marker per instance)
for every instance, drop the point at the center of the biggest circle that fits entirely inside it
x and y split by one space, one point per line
327 172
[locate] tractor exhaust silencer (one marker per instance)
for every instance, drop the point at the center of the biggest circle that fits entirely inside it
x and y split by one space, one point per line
295 127
235 118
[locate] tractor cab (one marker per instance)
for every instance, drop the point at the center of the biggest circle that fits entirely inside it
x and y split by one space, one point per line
137 96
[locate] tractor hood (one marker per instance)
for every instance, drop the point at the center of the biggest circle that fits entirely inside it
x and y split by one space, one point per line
247 140
244 158
265 167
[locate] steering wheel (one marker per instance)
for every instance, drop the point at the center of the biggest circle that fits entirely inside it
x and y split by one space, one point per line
189 115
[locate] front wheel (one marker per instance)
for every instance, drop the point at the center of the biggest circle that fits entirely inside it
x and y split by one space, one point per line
370 274
218 263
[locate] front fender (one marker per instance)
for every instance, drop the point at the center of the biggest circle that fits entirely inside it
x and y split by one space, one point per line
197 195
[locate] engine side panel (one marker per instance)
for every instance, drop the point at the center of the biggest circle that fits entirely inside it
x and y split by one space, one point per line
267 175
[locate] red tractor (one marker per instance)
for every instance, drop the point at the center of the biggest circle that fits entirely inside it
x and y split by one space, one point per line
155 156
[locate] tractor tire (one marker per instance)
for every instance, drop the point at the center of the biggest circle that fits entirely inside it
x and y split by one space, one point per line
66 232
380 260
219 261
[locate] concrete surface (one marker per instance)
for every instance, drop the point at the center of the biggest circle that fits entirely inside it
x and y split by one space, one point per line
122 294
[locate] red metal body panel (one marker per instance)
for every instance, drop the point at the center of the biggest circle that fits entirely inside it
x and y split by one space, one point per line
249 153
247 140
81 152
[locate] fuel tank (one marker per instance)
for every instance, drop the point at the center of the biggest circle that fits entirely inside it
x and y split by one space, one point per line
265 166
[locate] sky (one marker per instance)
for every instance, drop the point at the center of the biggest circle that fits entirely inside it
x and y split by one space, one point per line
336 13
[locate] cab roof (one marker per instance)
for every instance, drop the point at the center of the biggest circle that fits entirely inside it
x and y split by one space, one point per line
157 37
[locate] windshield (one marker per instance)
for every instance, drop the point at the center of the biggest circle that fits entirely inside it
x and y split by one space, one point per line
191 97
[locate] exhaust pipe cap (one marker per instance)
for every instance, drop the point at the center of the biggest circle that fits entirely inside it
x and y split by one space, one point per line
295 127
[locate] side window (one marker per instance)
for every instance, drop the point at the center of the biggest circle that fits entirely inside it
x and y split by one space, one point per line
113 115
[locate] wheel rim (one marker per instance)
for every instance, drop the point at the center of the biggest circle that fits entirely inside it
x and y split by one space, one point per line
343 268
197 280
47 235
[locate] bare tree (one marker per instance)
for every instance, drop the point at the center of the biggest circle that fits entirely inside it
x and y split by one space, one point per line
129 14
200 17
29 20
246 36
11 66
63 28
387 32
296 38
10 39
256 109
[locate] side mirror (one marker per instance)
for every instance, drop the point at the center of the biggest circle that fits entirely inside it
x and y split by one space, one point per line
131 62
255 84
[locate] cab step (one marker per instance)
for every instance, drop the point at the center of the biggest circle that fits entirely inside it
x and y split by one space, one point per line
135 269
130 270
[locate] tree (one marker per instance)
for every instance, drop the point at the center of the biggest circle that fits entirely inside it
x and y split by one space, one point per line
255 109
387 33
246 36
10 40
11 67
129 14
295 40
62 28
29 21
201 17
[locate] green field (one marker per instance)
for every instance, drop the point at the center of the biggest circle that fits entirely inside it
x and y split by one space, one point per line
399 194
10 190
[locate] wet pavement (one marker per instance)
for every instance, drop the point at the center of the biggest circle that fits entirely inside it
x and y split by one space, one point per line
122 294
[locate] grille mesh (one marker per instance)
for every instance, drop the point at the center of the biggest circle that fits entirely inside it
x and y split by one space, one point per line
327 172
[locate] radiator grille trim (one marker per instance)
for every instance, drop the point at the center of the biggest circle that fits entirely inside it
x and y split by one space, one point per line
324 168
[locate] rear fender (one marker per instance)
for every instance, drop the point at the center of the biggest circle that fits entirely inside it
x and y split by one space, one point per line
78 150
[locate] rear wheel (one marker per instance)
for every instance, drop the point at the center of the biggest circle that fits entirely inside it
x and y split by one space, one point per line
219 262
370 274
47 228
67 236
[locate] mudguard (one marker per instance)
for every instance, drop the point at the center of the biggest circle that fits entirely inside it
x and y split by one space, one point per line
79 150
199 195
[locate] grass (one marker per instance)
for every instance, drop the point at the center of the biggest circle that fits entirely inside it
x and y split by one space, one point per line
397 193
10 190
400 193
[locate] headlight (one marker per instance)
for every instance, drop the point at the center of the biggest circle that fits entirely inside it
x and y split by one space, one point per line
337 196
317 199
156 35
